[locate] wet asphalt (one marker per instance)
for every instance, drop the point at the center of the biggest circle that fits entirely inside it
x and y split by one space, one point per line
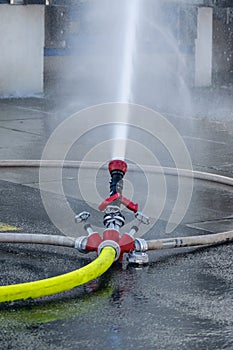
181 300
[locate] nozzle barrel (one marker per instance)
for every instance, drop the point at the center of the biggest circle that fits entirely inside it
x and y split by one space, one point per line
117 169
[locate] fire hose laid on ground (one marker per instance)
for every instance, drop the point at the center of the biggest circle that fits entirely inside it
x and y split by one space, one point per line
111 245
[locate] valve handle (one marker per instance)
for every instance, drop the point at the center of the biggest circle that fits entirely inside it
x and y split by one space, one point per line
108 201
129 204
126 202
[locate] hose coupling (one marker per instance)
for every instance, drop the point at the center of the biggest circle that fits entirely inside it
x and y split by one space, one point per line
140 245
138 255
110 243
81 244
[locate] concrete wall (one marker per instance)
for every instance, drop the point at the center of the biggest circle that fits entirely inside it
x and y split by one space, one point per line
22 50
203 47
223 46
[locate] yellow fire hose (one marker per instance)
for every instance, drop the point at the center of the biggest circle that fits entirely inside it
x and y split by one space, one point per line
60 283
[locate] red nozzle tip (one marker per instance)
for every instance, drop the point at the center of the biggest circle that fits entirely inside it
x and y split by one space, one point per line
117 164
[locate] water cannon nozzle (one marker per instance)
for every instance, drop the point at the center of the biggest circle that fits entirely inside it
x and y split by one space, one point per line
117 165
117 169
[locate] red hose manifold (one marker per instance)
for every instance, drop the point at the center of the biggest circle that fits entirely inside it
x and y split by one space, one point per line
125 243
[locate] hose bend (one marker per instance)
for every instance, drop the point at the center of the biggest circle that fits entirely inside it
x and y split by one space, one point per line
36 163
62 283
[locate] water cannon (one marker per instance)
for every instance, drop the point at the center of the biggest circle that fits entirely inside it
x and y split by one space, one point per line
113 221
117 169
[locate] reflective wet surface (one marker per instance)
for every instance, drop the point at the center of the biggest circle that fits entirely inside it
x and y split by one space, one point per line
178 301
182 300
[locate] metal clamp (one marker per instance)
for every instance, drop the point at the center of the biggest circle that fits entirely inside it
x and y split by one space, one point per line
112 209
142 218
113 216
83 216
138 258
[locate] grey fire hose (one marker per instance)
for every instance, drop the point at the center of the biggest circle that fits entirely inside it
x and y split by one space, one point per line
199 175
